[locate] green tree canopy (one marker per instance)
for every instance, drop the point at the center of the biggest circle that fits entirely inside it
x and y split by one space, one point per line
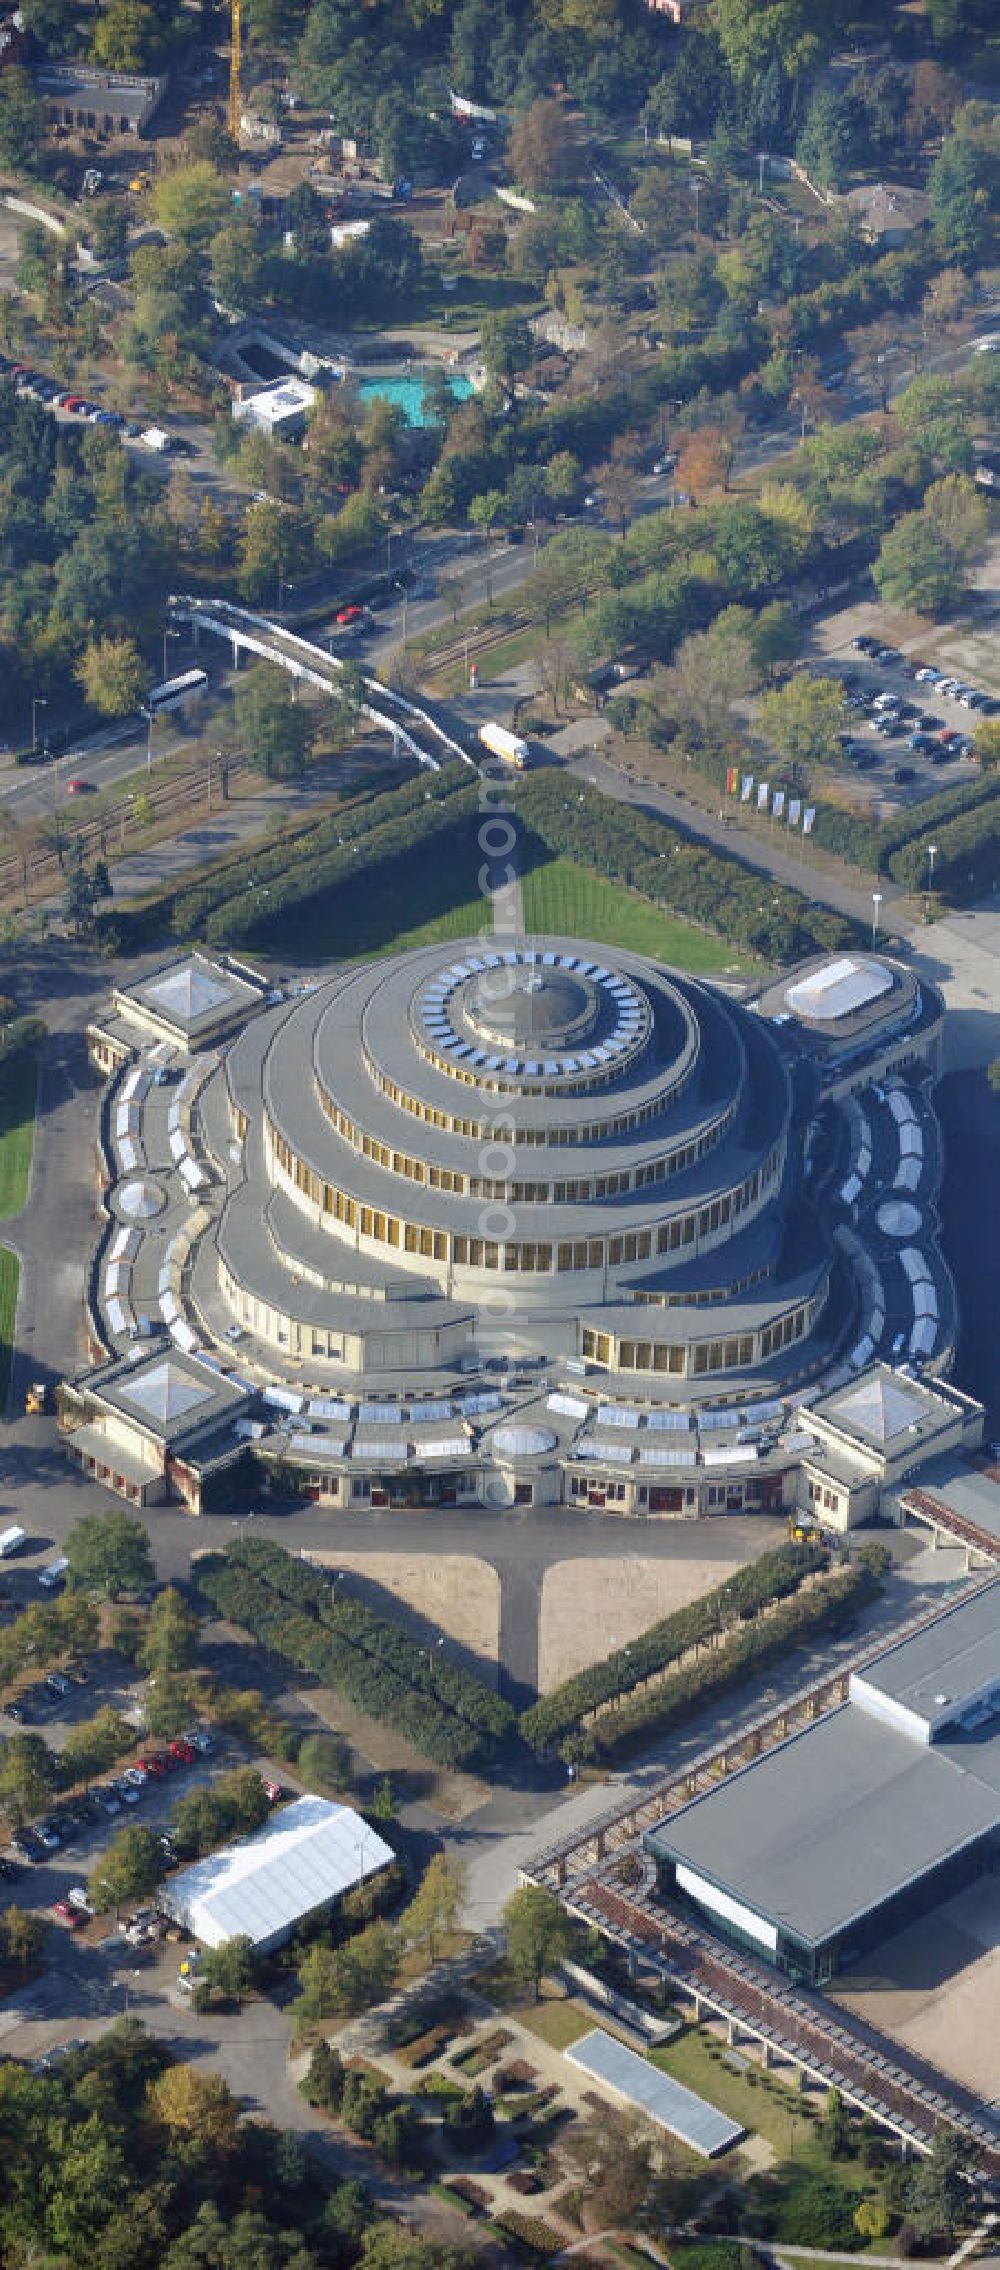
170 1639
113 675
190 203
539 1933
802 720
273 726
109 1553
130 1869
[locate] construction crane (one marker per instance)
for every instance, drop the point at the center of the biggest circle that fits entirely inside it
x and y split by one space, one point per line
235 62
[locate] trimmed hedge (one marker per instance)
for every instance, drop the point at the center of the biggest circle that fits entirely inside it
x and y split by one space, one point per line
228 907
747 1650
294 1610
741 1597
678 872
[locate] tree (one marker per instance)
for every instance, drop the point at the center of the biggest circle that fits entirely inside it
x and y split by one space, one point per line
469 2122
986 742
125 37
86 886
170 1639
711 669
274 728
836 2126
170 1703
544 152
113 675
199 2107
23 1936
435 1907
340 1981
507 346
938 2197
109 1553
925 560
130 1869
324 1763
191 203
825 145
27 1775
539 1933
324 2082
776 636
871 2218
705 461
232 1968
802 720
958 189
22 121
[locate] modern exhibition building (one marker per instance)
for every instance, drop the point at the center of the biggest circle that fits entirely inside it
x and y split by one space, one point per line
531 1224
847 1831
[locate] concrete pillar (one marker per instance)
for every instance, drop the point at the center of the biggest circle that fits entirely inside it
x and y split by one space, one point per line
561 1871
731 2032
697 2009
768 2057
600 1842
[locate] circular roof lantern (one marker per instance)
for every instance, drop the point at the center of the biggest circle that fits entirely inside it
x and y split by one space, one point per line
522 1442
897 1218
141 1200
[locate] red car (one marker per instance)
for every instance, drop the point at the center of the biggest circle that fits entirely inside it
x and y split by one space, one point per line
79 787
182 1751
71 1916
948 736
154 1765
350 615
272 1791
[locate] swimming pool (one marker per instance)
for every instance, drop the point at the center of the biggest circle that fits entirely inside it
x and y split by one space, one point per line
408 394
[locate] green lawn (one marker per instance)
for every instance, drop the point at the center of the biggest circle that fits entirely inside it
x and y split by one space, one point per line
563 899
18 1088
10 1271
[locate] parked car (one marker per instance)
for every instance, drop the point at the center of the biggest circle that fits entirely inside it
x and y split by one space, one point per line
273 1791
27 1845
199 1740
71 1916
154 1765
182 1751
19 1712
921 743
108 1799
129 1791
77 1898
79 1674
48 1835
78 787
58 1683
9 1871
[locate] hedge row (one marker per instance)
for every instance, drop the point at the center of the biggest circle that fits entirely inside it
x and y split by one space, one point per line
227 907
453 1717
741 1597
679 872
967 854
747 1649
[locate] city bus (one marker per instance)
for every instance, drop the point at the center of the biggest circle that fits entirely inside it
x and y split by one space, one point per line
172 692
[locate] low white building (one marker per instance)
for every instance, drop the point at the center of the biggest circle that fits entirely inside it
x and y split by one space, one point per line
303 1860
280 410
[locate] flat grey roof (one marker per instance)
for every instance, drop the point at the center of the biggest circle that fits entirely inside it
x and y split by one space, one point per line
836 1821
952 1660
687 2116
968 1490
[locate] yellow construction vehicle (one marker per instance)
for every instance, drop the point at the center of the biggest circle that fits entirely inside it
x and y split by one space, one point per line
36 1401
803 1532
139 183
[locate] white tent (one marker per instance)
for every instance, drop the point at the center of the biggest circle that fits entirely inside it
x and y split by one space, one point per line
306 1856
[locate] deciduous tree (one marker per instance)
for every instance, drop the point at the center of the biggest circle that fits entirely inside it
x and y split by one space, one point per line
109 1553
113 675
802 720
435 1907
539 1933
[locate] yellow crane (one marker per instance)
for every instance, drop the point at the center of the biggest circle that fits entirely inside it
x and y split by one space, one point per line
235 63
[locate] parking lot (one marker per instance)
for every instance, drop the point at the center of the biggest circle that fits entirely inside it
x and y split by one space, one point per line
880 765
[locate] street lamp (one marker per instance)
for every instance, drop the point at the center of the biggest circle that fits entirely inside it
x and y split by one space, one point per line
932 851
38 701
876 903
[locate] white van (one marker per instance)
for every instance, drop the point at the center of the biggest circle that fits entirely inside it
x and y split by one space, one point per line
11 1541
52 1576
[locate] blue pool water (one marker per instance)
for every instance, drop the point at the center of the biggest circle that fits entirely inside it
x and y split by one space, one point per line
408 394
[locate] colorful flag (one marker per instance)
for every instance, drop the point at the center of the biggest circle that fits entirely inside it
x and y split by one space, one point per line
732 780
747 789
763 792
794 809
778 805
808 817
